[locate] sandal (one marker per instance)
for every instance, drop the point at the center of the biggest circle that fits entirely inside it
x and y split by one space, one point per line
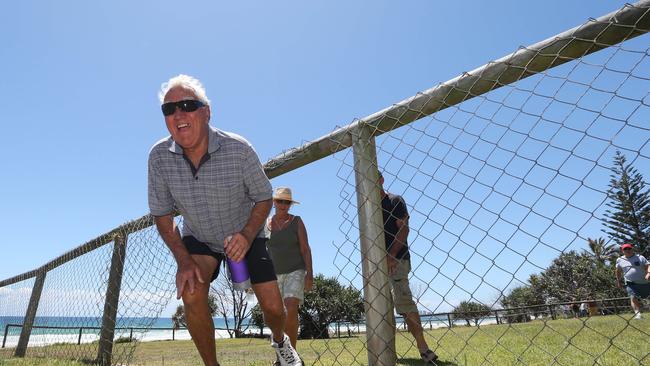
429 357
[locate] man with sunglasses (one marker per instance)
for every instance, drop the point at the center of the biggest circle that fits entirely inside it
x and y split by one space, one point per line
216 181
633 271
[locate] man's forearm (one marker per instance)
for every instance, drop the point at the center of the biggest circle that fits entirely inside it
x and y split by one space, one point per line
395 248
172 238
399 241
257 218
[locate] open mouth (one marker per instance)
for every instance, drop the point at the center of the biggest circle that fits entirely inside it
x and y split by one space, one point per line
182 126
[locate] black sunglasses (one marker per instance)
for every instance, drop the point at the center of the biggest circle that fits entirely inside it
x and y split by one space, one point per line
627 248
284 202
185 105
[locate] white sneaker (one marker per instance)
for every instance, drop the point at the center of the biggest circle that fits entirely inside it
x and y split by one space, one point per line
638 316
286 354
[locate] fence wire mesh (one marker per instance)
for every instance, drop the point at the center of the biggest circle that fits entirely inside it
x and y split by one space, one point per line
69 318
72 298
13 305
499 187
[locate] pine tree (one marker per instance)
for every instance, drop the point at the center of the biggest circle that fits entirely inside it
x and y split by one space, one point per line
628 221
602 252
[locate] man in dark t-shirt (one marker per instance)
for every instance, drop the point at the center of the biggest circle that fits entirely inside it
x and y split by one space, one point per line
394 210
398 258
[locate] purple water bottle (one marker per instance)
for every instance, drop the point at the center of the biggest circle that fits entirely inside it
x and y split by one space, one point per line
239 274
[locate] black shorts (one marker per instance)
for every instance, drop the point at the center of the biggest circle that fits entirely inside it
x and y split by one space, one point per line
260 266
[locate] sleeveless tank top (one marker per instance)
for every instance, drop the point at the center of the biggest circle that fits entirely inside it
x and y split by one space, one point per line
284 248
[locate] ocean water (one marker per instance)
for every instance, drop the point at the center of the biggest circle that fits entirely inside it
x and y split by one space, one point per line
86 329
50 330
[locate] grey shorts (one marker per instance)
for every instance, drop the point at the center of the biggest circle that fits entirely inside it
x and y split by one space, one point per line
292 284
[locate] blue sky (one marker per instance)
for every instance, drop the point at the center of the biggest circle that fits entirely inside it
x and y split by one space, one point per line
80 108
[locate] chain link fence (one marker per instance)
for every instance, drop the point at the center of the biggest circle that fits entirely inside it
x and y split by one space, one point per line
93 303
504 170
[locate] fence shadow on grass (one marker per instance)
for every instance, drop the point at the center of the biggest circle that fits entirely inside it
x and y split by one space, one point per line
419 362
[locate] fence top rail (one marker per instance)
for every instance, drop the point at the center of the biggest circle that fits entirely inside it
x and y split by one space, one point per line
596 34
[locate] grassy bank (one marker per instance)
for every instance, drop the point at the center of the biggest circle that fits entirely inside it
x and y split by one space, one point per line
610 340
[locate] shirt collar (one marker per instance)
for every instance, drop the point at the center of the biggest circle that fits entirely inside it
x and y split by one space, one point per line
214 142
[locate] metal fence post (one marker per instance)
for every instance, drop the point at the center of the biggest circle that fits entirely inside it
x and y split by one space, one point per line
380 321
26 331
105 351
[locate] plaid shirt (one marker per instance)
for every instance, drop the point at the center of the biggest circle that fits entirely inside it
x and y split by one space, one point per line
218 199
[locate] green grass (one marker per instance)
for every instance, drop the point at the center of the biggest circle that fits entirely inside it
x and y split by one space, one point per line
607 341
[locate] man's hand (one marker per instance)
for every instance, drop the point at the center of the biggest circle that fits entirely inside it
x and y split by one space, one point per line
392 264
186 276
647 276
236 246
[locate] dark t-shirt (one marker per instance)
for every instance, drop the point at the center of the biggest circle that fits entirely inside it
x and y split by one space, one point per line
394 208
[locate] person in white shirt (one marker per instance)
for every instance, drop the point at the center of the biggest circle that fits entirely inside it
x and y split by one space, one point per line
633 272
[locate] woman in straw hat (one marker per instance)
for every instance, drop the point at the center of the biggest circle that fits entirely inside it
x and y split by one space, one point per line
291 255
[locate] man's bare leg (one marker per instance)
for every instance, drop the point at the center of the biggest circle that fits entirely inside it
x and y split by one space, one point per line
197 312
415 327
268 296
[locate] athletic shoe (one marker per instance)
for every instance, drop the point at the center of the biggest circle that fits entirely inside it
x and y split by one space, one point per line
638 316
429 357
277 362
286 354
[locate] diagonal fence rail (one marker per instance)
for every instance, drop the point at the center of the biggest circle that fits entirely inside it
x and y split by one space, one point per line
504 169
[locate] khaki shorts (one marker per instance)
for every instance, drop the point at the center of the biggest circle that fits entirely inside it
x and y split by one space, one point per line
292 284
402 295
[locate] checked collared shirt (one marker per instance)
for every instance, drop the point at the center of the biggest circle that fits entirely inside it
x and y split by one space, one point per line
215 200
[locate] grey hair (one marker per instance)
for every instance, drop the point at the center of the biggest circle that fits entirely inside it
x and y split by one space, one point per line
184 81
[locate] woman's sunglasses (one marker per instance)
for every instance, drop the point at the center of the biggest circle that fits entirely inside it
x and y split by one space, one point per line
283 202
184 105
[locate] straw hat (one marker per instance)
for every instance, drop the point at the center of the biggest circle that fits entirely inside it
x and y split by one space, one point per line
283 193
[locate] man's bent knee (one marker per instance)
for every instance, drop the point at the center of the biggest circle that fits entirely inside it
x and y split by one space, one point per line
268 297
198 297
